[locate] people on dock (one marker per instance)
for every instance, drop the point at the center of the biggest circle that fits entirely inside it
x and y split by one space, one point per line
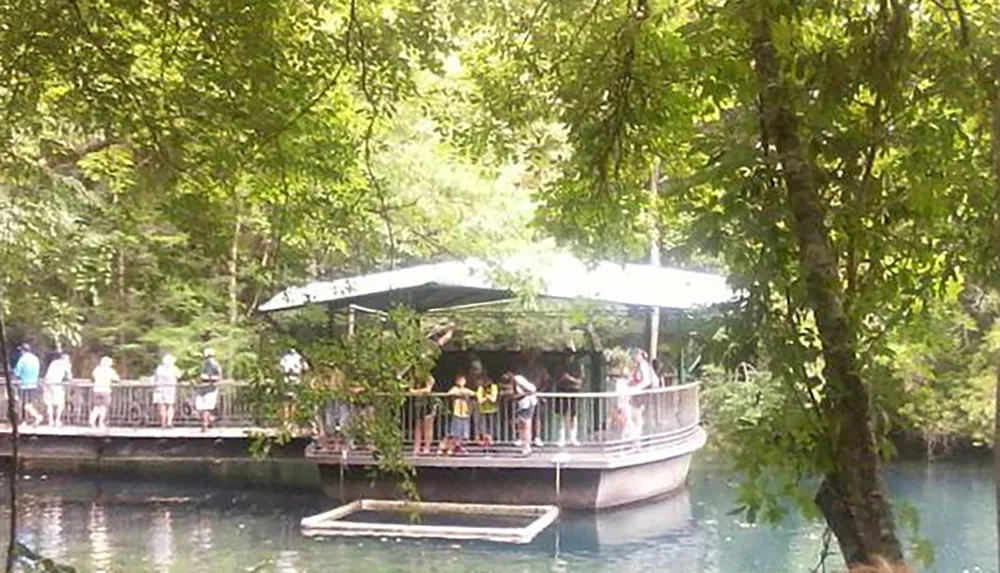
103 376
25 374
57 377
461 414
292 366
424 405
337 413
165 380
524 392
424 408
569 380
641 378
487 394
536 372
208 391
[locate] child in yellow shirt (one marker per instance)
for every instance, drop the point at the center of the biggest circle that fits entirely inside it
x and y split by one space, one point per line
460 413
486 422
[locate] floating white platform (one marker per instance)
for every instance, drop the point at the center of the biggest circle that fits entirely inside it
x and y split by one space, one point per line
335 522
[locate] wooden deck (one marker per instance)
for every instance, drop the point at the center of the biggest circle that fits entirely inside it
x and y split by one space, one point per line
137 432
507 456
83 443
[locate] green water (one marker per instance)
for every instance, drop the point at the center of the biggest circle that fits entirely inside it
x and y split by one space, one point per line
115 525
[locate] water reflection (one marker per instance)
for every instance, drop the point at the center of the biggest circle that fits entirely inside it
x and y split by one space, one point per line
50 539
201 539
100 543
219 531
161 540
286 561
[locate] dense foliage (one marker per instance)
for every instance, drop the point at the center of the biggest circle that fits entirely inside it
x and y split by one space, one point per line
165 166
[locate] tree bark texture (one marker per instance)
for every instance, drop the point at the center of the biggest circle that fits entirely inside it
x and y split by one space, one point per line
14 418
852 496
995 159
233 271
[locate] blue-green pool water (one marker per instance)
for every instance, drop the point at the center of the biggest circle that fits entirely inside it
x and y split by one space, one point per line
115 525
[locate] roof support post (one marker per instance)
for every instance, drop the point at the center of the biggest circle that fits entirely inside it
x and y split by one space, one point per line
654 253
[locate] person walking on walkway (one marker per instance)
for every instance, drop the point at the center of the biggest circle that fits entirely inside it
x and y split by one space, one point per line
103 376
208 392
26 375
165 389
57 376
292 366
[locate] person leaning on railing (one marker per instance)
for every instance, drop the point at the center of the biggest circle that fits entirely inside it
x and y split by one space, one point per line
165 389
527 401
103 376
26 375
569 379
425 405
487 393
336 415
208 392
57 376
642 378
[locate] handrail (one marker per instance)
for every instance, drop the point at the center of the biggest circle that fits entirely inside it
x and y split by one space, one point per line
140 383
148 383
611 422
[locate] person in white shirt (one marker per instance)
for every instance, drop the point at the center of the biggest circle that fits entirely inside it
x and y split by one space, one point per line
643 378
292 366
524 391
57 376
165 389
103 376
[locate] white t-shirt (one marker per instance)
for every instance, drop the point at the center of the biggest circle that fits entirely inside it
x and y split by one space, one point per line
645 377
292 364
525 387
58 372
166 375
103 377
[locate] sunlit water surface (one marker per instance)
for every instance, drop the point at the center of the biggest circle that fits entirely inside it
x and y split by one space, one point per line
114 525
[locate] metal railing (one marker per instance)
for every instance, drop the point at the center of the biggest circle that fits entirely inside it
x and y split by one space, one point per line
603 421
132 404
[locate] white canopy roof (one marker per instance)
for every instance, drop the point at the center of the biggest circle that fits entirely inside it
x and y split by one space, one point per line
457 283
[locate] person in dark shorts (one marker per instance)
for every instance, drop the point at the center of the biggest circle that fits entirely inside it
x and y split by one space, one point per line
524 392
208 392
487 393
26 375
423 403
461 413
569 380
103 376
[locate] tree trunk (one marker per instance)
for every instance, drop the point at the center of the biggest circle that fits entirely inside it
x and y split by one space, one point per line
234 254
122 302
995 158
852 495
12 417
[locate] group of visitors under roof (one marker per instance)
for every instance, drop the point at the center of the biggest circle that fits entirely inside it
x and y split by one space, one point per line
477 404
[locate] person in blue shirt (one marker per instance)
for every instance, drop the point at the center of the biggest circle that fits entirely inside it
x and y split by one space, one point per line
26 376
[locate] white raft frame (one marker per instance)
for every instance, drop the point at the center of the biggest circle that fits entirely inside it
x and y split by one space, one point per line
330 523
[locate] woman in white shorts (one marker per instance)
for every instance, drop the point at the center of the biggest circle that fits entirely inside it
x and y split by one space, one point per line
57 377
165 390
208 391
